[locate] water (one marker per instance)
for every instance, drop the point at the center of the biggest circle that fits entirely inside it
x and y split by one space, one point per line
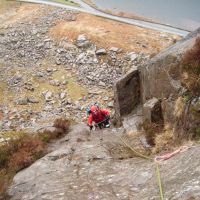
184 14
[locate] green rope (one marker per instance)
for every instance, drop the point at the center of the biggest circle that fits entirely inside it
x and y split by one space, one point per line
159 181
137 153
157 167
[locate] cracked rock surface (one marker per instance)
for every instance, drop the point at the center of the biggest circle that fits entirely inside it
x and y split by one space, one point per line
87 166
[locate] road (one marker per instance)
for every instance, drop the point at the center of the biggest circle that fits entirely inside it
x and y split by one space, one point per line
88 9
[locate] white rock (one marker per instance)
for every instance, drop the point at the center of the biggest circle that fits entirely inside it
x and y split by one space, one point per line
48 95
132 56
81 38
62 95
101 83
110 104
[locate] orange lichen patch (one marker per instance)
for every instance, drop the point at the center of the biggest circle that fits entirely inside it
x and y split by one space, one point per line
107 33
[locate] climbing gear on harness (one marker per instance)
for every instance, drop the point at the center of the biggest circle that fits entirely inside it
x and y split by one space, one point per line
103 124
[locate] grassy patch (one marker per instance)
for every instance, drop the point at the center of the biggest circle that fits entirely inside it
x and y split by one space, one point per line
13 134
190 67
21 152
66 2
179 107
151 130
164 141
198 132
3 87
75 91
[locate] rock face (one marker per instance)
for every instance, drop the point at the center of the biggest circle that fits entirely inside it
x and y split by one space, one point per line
159 78
152 111
127 94
88 168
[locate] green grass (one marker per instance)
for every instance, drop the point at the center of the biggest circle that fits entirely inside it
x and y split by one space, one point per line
66 2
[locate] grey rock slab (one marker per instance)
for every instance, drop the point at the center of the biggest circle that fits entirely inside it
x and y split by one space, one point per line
40 74
101 83
111 104
22 101
84 169
101 52
54 82
132 56
152 110
106 98
62 95
81 38
32 100
48 95
115 49
82 41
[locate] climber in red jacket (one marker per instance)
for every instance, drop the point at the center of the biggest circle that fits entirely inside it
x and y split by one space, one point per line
100 117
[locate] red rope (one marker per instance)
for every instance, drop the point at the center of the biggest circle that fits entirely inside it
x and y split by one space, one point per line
169 155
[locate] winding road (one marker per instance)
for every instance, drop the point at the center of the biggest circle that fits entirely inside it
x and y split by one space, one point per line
88 9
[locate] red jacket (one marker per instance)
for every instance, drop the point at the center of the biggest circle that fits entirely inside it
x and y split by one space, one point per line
101 115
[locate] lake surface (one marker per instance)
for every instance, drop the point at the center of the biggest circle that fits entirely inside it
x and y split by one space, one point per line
184 14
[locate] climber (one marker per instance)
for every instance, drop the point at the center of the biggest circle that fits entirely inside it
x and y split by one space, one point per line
100 117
